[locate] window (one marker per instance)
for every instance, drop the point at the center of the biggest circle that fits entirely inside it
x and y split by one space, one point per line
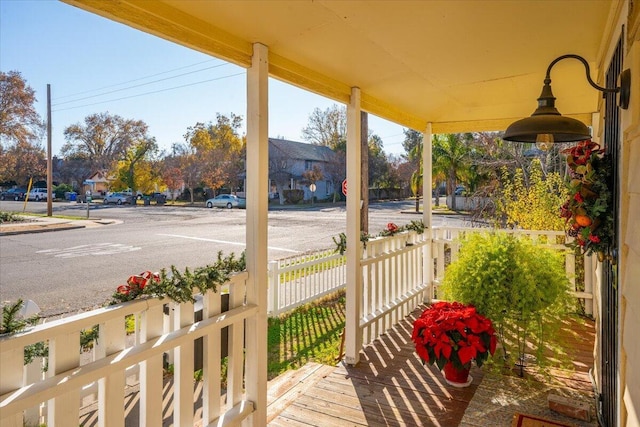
308 165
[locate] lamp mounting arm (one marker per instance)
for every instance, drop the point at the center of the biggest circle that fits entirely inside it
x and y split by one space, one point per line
587 69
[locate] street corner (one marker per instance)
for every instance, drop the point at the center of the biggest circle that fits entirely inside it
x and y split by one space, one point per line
48 224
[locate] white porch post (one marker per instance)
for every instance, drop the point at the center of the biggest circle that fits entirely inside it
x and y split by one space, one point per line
427 168
353 335
256 253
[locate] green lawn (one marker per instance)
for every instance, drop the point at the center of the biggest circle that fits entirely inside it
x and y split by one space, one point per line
309 333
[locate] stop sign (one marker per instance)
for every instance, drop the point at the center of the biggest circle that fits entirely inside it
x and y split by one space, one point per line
344 187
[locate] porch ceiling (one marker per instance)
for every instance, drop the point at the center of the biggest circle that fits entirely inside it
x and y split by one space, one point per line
461 65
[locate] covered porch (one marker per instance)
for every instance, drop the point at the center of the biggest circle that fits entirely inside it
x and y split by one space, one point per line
436 67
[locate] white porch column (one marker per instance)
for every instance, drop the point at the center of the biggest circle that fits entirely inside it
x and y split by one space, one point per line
427 169
353 335
256 252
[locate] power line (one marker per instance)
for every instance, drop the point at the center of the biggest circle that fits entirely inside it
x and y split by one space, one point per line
139 85
150 93
135 80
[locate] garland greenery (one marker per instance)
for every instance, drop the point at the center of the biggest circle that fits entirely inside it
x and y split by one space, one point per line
391 229
173 284
12 322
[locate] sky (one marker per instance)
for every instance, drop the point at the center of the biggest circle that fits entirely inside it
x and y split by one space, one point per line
95 65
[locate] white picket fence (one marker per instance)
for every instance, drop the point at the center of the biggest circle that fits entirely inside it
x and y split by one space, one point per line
446 246
298 280
393 281
28 397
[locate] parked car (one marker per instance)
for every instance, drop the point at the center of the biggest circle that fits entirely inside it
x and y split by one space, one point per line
460 190
13 194
223 201
117 198
38 194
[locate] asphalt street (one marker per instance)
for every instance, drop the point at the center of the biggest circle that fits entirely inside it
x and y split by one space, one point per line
75 270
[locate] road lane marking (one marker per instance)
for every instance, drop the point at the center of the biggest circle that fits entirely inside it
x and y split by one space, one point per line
225 242
95 249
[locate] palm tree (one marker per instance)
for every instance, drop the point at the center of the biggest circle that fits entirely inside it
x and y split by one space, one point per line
451 157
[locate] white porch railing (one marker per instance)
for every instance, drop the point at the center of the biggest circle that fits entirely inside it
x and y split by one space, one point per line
393 281
446 247
301 279
55 398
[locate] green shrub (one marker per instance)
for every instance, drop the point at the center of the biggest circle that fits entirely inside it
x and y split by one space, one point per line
293 197
59 190
519 285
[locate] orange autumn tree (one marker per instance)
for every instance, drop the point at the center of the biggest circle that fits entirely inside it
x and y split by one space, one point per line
218 149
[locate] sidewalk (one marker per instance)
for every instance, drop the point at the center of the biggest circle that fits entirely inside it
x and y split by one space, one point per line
39 224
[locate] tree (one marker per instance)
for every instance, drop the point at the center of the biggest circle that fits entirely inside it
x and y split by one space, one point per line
378 163
19 121
219 148
75 169
189 165
451 157
328 128
533 205
171 174
279 170
413 146
336 168
103 140
136 170
412 139
22 161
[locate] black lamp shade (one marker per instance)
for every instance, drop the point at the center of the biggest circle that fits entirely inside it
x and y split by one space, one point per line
546 124
563 129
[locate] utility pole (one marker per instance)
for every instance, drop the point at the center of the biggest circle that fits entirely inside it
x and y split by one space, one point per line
364 170
49 160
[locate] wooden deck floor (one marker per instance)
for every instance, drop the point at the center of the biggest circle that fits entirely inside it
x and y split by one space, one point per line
391 387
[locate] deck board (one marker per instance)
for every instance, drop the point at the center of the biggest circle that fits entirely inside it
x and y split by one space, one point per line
391 387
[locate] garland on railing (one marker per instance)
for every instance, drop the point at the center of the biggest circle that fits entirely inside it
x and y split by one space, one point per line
588 211
175 285
12 321
390 230
179 286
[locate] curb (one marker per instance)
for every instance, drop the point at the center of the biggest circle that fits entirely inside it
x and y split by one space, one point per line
42 229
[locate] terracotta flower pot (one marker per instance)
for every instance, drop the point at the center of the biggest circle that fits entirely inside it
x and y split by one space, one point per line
457 377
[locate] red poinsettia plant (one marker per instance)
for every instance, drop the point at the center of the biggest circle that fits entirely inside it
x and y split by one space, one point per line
453 332
588 210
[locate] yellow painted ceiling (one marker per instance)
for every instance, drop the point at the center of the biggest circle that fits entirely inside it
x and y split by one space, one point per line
461 65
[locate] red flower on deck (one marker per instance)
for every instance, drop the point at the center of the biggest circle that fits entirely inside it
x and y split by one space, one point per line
453 332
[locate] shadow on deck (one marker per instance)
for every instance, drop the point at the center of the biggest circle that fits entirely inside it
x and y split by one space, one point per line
391 387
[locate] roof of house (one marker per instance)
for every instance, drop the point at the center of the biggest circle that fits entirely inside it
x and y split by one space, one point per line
301 150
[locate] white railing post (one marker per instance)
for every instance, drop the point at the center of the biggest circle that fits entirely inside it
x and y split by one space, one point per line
353 332
183 369
111 388
211 360
151 326
64 355
427 214
273 297
256 284
33 373
11 375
